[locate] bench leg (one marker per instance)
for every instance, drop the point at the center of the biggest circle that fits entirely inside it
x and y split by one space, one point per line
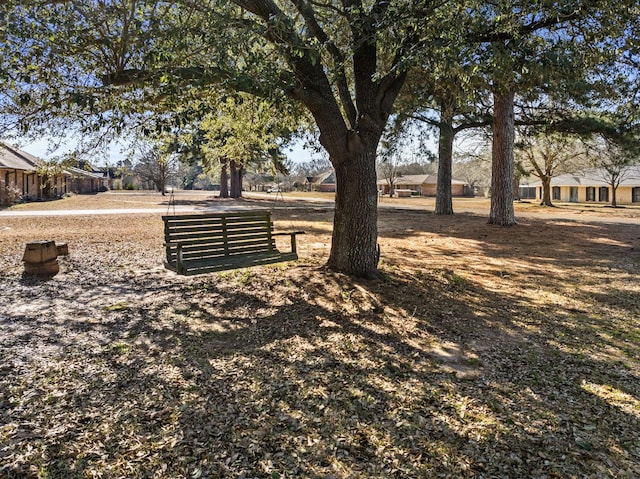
179 264
293 243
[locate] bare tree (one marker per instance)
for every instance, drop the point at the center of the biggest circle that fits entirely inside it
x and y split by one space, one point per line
313 167
548 156
611 163
472 162
156 168
475 172
389 169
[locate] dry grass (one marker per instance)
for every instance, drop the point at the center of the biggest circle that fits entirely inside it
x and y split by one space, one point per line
484 352
204 199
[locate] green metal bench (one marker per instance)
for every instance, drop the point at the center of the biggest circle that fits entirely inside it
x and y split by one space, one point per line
203 243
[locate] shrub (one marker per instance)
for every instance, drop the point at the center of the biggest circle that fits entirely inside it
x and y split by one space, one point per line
9 194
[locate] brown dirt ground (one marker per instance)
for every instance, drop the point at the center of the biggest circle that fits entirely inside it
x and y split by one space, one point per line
483 352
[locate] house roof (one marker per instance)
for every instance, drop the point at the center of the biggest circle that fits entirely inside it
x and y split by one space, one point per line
79 172
594 177
15 159
417 180
328 177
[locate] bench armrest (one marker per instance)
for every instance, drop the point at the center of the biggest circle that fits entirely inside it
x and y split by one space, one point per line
293 238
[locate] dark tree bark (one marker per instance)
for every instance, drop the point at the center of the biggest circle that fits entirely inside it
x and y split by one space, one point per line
614 190
236 181
447 133
515 184
546 191
444 201
502 166
354 243
352 143
351 116
224 178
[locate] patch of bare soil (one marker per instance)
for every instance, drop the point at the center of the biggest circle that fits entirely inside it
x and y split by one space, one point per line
483 352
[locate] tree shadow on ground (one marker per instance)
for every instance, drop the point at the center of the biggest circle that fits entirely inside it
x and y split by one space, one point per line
295 371
312 375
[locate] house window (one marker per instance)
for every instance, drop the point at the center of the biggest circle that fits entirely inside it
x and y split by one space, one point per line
555 193
603 193
573 194
591 193
635 195
528 192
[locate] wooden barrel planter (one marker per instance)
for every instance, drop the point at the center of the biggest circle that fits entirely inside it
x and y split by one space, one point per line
48 268
41 258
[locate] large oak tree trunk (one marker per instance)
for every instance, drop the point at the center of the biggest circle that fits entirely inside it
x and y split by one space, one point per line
546 191
515 184
444 201
224 179
502 212
236 179
354 248
614 200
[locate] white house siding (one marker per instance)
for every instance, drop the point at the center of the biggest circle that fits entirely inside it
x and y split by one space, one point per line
624 195
581 182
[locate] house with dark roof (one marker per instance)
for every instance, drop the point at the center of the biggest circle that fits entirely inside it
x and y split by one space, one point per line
22 177
323 182
87 181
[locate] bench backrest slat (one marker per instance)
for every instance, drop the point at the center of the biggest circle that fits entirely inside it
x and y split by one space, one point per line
218 229
218 235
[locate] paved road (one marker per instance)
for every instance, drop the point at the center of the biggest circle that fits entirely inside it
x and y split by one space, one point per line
83 212
122 211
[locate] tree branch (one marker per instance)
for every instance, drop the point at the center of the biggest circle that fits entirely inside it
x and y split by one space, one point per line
314 89
338 59
491 35
329 6
365 53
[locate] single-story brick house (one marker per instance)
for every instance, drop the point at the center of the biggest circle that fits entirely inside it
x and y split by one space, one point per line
323 182
588 186
86 181
22 177
422 185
